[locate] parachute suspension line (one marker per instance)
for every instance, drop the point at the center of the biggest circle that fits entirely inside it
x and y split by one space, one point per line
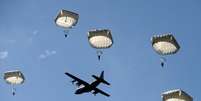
163 60
66 31
13 90
99 53
66 19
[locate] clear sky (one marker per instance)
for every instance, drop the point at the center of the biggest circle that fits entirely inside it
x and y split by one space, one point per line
31 42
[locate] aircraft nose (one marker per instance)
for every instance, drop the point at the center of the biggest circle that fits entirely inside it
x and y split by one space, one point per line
76 92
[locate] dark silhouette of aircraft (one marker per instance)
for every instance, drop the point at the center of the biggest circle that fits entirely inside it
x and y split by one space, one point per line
84 87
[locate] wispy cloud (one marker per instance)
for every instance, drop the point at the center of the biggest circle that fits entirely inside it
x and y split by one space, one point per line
3 54
34 33
47 53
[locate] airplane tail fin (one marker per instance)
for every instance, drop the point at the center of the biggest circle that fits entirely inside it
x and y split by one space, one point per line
102 75
101 78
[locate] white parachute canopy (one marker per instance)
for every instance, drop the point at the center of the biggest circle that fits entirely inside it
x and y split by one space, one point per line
165 44
66 19
14 77
100 39
176 95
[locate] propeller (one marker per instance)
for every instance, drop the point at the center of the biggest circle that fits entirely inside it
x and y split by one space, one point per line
78 84
73 81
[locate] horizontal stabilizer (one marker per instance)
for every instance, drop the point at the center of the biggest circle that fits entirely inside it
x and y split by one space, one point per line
101 80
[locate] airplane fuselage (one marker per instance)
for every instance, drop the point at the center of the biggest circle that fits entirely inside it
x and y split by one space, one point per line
87 88
83 90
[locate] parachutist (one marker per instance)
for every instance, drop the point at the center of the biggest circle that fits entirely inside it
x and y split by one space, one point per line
99 53
163 60
99 57
66 32
162 64
66 35
13 93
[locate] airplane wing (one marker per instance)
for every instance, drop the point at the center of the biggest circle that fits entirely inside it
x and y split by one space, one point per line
100 91
77 79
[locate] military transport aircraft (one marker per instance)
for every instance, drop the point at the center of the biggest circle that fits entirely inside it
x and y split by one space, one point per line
84 87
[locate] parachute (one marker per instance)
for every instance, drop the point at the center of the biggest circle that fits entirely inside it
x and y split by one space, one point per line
176 95
66 19
165 44
100 39
13 78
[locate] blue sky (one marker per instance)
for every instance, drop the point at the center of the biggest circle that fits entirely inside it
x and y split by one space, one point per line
28 31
